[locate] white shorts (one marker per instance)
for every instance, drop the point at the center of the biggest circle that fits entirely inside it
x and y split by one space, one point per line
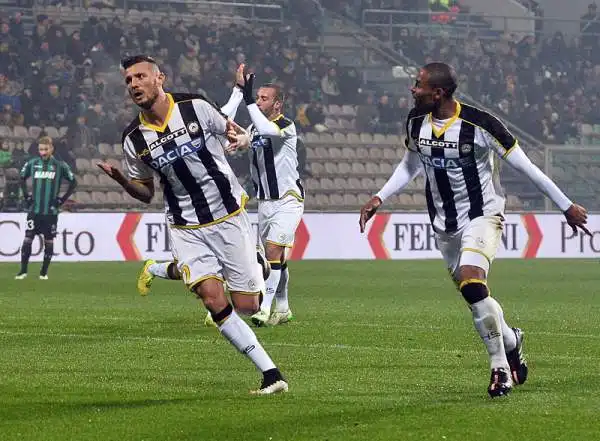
476 244
278 220
225 251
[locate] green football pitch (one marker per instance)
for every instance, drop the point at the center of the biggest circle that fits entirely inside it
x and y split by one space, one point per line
378 351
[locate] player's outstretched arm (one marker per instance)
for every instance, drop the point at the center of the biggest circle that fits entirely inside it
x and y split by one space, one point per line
408 169
261 123
575 215
230 109
140 190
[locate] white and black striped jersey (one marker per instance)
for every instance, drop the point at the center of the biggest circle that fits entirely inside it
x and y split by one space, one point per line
458 155
274 161
199 186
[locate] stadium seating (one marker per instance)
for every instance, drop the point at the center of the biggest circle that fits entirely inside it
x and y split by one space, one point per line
345 165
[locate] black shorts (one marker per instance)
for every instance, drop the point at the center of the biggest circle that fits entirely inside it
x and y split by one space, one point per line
42 224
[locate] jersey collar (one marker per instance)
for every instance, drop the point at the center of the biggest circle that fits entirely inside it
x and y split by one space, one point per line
438 133
166 122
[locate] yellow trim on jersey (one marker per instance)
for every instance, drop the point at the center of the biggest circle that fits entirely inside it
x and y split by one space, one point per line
446 126
475 250
142 181
246 293
493 137
293 194
216 221
192 285
165 122
279 245
468 281
508 152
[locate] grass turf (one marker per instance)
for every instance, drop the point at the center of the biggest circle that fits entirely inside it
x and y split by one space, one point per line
378 351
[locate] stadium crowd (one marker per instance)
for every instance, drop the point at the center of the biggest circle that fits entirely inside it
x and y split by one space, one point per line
548 86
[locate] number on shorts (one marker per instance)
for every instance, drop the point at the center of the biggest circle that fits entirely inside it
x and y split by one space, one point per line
30 224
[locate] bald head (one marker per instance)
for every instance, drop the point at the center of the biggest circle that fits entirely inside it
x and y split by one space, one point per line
441 76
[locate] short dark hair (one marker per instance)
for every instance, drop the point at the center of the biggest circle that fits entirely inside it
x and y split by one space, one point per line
279 93
127 62
443 76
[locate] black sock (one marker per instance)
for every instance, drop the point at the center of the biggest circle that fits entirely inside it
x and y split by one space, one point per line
172 272
25 254
48 253
222 315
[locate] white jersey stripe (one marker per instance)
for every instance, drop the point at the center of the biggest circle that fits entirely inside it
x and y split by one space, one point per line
199 186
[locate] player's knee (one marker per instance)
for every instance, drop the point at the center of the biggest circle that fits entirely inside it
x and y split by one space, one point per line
275 253
211 292
29 236
473 264
466 272
246 304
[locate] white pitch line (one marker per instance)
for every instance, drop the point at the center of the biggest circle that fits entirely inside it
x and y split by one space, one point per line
335 324
281 344
339 325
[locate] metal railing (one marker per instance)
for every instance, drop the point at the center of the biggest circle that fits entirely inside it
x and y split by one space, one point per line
250 11
266 13
459 25
574 169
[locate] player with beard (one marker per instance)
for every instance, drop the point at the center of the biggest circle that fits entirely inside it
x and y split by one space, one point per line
458 147
180 138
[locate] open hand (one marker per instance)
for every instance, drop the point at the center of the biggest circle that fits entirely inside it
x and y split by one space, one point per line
238 137
240 81
576 217
110 170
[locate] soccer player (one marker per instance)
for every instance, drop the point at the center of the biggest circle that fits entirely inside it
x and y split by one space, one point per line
458 148
168 269
179 137
274 172
46 173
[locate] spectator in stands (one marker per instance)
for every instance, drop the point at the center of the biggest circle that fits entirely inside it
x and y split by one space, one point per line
330 87
80 134
5 155
9 93
314 117
19 156
367 115
388 120
590 27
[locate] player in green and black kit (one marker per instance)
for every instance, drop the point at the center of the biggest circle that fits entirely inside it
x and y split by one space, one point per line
46 173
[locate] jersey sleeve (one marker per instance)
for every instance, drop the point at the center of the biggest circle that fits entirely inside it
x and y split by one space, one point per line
497 137
26 170
210 117
135 167
287 128
67 172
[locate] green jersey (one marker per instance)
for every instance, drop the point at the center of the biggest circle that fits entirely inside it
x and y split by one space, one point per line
47 176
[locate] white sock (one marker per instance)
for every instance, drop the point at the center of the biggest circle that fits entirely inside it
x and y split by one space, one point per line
508 335
271 286
487 322
281 295
159 269
241 336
